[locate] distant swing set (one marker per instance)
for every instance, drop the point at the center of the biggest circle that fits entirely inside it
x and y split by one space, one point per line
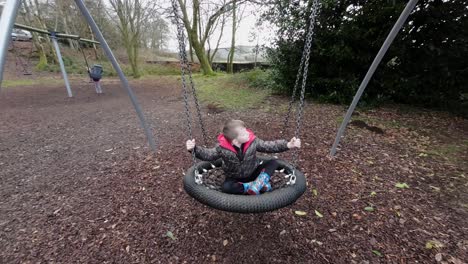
95 73
7 20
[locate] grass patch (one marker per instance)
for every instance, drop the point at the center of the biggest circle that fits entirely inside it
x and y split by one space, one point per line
29 82
75 66
221 90
451 152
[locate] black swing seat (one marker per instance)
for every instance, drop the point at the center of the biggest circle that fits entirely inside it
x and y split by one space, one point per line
265 202
95 72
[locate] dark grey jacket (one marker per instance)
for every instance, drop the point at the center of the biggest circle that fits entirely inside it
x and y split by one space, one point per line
234 167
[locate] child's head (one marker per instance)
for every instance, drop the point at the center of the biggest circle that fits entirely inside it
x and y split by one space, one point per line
234 130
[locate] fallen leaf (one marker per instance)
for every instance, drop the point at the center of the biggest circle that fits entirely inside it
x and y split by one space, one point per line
422 155
225 242
317 213
282 232
434 244
402 185
372 194
170 235
438 257
369 208
300 213
314 191
376 252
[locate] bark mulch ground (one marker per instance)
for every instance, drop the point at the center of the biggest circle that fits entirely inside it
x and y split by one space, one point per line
79 185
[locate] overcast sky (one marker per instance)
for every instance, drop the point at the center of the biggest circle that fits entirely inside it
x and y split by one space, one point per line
247 27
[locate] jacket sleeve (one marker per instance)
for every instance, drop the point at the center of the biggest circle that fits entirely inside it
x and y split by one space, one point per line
275 146
206 154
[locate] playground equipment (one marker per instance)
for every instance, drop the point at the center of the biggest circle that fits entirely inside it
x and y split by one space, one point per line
6 26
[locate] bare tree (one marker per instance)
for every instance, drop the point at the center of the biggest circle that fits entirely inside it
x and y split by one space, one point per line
212 52
236 20
199 31
132 16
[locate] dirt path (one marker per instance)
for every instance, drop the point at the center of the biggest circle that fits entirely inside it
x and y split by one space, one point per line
78 185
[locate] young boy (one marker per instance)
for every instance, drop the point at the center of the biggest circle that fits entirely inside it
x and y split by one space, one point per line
237 147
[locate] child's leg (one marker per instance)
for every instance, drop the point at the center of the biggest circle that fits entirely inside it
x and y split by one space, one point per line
269 167
233 187
262 177
99 87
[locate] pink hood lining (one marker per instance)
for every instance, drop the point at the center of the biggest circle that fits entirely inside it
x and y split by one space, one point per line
223 142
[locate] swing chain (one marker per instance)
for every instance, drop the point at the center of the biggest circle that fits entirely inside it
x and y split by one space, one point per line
183 67
293 96
300 108
195 97
187 70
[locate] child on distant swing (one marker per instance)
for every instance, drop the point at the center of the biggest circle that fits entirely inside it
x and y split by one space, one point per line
95 75
237 147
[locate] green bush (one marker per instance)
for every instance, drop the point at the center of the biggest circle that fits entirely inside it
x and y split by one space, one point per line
258 78
425 66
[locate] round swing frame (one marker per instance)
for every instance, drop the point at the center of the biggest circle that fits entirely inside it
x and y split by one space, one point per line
245 204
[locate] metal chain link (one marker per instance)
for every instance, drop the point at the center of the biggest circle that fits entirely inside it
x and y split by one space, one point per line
183 68
293 96
195 97
300 108
187 68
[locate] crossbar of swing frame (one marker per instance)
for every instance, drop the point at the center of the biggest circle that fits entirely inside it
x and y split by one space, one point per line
6 26
57 34
378 58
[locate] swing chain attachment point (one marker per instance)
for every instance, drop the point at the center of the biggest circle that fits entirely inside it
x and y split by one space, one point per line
292 178
198 177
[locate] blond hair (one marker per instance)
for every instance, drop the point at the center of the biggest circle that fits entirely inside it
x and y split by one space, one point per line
229 128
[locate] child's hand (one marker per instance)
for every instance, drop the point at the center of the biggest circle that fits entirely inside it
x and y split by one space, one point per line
294 143
190 144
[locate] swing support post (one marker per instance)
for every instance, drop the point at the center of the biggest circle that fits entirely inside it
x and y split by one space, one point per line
53 37
388 41
7 20
85 12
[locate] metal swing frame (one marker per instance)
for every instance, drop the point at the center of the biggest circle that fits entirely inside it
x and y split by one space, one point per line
6 26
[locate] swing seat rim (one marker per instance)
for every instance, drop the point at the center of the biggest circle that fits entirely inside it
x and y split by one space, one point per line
245 204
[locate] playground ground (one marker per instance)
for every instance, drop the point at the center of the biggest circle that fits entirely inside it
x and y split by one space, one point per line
79 185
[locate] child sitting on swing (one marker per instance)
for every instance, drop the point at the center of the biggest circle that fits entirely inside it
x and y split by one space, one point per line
237 147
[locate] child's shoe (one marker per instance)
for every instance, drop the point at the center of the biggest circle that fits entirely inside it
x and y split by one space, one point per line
254 187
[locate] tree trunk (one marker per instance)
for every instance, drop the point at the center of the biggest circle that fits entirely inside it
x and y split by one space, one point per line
230 62
201 55
48 48
36 40
191 51
96 55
